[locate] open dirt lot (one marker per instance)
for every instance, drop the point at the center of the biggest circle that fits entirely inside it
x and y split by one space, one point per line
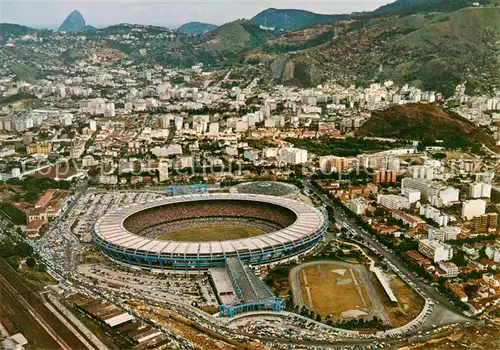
409 302
215 233
333 289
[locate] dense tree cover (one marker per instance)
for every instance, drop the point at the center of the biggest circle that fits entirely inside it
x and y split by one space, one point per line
428 124
359 323
459 259
348 147
17 216
43 184
477 239
16 97
13 250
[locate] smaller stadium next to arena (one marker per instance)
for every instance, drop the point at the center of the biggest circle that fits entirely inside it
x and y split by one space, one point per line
271 188
286 229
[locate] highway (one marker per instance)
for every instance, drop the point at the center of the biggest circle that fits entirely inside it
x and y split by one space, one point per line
429 291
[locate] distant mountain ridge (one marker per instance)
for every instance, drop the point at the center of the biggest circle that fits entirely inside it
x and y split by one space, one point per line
291 19
196 28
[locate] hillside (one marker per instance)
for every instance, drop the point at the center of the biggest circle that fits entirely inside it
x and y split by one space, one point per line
425 122
11 30
290 19
224 44
409 7
196 28
434 52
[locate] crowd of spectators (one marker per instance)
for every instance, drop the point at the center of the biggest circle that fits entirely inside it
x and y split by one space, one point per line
254 211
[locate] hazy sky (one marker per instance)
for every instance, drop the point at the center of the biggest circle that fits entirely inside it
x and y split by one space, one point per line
162 12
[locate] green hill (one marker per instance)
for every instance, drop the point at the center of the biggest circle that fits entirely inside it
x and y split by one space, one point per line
291 19
12 31
223 45
196 28
425 122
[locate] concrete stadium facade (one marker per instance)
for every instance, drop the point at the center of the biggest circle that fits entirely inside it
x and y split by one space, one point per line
138 251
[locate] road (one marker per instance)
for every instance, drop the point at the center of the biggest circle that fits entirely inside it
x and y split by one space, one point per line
429 291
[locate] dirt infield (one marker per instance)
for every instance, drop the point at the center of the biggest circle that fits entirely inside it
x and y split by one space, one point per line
334 289
213 233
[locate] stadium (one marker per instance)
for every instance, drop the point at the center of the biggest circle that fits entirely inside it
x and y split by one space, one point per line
201 231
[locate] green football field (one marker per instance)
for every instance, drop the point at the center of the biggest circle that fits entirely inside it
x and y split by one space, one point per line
213 233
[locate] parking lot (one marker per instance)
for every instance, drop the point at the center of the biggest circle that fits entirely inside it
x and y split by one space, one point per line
94 205
194 290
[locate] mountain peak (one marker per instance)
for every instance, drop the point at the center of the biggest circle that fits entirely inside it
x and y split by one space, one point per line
73 23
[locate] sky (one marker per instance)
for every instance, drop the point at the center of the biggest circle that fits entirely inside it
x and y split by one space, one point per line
169 13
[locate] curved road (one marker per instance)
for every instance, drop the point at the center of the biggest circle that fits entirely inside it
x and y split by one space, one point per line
444 312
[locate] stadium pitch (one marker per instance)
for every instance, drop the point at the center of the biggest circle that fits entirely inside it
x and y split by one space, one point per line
211 233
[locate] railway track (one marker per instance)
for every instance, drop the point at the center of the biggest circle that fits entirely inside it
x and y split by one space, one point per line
44 324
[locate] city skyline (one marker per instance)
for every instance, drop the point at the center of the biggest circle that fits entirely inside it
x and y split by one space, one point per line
45 14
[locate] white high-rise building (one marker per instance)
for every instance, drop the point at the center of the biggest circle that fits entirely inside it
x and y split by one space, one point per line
435 250
412 194
293 156
449 195
424 172
178 123
436 194
480 190
214 128
392 201
163 171
16 172
416 184
443 234
357 205
434 214
473 208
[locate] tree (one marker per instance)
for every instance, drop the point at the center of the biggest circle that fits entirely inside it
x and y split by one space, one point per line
42 268
30 262
439 156
459 259
318 318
